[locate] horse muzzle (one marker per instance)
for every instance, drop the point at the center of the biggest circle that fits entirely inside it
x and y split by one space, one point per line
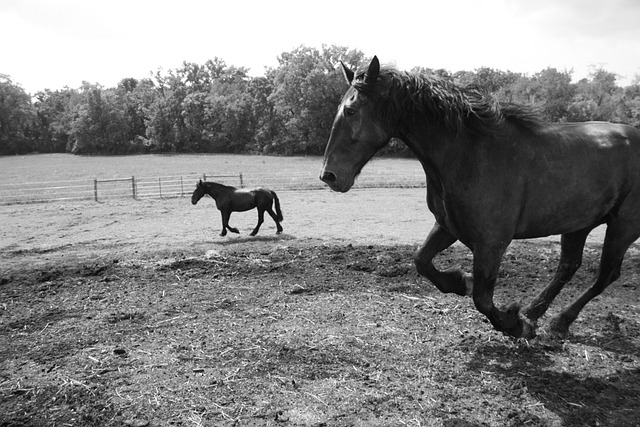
328 177
334 182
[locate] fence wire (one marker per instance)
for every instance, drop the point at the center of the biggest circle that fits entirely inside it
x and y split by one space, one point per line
183 185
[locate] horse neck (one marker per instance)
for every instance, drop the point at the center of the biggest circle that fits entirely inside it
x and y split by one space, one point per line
213 189
432 146
431 117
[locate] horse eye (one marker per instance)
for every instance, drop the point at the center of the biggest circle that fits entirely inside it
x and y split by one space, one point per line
349 111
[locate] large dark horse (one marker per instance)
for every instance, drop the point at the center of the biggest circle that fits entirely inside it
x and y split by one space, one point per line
230 199
495 173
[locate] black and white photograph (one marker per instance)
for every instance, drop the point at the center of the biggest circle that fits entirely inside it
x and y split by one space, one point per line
328 214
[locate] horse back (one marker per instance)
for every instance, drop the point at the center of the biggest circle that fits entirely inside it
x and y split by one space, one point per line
263 197
583 174
598 150
554 180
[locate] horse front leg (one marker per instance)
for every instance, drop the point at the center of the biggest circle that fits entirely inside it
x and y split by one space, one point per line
452 280
260 221
486 263
225 223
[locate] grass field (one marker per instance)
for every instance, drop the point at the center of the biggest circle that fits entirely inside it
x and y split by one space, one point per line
58 167
64 177
55 167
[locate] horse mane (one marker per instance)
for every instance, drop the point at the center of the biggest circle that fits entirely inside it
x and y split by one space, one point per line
525 116
455 108
210 184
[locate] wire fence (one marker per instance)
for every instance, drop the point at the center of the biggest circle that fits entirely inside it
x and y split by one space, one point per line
183 185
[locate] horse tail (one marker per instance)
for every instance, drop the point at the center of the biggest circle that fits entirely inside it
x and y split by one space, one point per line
278 211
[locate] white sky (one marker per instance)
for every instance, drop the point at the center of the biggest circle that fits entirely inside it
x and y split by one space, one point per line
49 44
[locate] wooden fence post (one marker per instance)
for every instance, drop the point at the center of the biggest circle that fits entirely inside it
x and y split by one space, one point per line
160 187
133 187
241 182
95 188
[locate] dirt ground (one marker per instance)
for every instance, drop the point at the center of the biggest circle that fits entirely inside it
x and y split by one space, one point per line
136 313
42 232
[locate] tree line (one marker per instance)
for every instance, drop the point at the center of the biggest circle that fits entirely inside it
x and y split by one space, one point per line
218 108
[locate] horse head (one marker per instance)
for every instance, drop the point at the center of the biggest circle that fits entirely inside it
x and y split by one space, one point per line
198 192
358 131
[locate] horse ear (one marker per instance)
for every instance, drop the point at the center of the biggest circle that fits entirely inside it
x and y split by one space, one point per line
348 74
373 71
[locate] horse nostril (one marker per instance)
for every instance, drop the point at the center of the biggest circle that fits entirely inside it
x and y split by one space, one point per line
329 177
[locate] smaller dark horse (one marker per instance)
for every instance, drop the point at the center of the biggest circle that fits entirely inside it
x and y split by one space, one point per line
230 199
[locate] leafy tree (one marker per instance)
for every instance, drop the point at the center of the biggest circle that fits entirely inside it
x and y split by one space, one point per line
233 111
486 78
631 98
214 113
54 116
598 98
553 92
231 125
99 125
130 96
269 125
191 109
16 117
439 73
213 107
163 118
307 90
602 85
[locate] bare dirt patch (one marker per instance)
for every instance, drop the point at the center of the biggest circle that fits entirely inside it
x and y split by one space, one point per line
138 314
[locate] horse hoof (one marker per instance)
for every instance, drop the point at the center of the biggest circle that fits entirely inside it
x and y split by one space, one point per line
252 234
558 327
517 325
528 330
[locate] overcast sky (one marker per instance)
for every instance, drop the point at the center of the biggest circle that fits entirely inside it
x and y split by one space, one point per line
51 44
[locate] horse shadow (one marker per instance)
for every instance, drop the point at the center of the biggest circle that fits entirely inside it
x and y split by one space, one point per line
612 398
458 422
235 240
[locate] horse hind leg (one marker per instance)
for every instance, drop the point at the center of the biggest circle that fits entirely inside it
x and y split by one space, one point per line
260 221
572 245
617 240
273 215
449 281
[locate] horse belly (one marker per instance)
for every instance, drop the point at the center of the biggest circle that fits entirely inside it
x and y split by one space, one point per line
243 206
553 226
565 213
244 201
